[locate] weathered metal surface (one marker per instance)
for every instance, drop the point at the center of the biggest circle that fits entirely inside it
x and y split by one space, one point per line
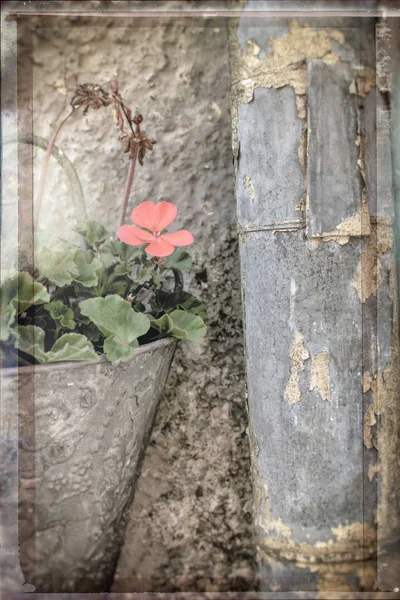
385 206
80 453
368 139
386 396
321 346
304 371
333 175
270 182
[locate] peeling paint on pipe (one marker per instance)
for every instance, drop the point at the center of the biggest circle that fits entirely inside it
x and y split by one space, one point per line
322 368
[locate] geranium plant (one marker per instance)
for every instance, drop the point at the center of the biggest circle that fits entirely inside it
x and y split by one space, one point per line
113 292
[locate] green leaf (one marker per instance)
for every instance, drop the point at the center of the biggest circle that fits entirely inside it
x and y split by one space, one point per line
30 339
144 275
180 259
163 325
117 352
158 279
7 317
58 266
123 269
123 252
181 324
187 326
169 301
87 265
115 318
63 263
61 314
91 332
148 274
24 290
70 346
93 232
17 294
118 286
193 305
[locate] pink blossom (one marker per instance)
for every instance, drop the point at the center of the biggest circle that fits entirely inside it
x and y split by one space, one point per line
154 218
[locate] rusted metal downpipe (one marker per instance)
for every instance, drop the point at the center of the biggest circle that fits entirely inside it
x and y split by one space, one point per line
311 143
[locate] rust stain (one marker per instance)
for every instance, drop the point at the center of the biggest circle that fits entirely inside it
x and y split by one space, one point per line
357 543
370 383
380 241
369 422
354 532
298 354
329 559
348 542
285 65
320 375
248 184
384 388
301 207
340 579
302 150
301 105
363 83
271 525
388 402
372 471
355 226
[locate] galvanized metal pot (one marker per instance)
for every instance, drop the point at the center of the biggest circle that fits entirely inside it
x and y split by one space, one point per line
83 430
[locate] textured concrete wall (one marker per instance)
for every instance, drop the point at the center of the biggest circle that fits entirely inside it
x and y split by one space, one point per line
191 520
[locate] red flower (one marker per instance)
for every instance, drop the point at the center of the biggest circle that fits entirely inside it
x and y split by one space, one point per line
154 218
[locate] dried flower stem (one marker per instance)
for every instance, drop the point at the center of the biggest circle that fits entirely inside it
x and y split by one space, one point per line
42 180
128 187
136 143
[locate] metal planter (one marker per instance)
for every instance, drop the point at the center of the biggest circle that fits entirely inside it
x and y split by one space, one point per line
83 431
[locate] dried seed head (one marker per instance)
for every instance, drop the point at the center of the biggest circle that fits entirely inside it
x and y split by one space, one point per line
90 95
140 139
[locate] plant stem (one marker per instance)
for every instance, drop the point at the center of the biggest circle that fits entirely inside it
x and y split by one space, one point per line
45 166
149 292
128 187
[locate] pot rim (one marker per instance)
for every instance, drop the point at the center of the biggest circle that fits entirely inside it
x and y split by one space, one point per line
76 364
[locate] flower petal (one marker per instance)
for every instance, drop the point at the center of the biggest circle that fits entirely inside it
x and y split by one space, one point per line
145 215
179 238
160 247
164 215
143 235
129 235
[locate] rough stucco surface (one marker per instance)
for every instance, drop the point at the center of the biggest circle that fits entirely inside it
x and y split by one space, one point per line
191 520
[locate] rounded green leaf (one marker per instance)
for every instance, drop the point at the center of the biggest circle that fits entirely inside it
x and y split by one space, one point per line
180 259
24 290
187 326
61 314
17 294
30 339
72 346
115 318
93 232
116 352
58 266
181 324
87 266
